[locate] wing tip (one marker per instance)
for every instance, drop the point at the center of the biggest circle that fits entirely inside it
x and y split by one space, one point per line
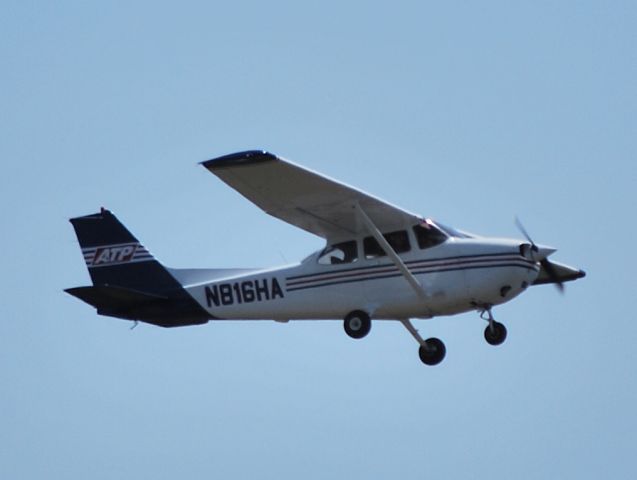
248 157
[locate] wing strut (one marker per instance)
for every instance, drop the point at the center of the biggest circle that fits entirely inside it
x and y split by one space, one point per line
391 253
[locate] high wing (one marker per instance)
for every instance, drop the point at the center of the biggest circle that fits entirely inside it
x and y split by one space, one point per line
305 198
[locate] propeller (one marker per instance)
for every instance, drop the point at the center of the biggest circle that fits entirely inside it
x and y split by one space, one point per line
548 267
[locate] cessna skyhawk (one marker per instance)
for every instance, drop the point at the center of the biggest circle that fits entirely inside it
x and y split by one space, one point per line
380 262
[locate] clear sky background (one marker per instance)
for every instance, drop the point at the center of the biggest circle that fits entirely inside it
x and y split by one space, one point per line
467 112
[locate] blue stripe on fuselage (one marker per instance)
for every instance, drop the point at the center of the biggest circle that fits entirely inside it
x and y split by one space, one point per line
378 272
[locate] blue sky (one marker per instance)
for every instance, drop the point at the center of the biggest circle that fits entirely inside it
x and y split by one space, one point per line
468 112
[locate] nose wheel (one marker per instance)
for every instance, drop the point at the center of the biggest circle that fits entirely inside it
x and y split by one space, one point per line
495 333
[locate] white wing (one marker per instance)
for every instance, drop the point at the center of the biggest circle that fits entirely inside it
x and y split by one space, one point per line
304 198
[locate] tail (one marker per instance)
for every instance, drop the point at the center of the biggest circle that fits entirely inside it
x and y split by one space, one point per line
128 282
115 257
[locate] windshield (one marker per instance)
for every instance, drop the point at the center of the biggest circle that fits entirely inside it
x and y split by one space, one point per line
429 235
452 232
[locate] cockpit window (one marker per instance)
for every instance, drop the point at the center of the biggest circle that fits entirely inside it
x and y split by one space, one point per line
428 235
399 241
344 252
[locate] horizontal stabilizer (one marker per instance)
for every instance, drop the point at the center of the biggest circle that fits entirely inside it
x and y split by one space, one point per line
131 304
106 296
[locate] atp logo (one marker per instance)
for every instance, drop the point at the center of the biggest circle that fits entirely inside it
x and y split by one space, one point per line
114 254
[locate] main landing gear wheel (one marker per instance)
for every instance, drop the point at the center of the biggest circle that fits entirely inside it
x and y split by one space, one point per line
495 333
357 324
432 352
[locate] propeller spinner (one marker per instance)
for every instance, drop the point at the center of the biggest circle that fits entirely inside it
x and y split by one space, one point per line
539 253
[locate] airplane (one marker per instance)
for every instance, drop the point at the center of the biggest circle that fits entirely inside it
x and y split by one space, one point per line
380 262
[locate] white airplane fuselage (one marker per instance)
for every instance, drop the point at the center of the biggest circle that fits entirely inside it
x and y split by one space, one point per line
459 275
380 262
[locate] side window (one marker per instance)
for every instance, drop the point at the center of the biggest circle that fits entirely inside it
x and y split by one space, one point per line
372 248
428 235
344 252
399 241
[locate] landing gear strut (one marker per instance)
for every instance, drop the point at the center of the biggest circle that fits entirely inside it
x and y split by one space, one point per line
495 333
431 351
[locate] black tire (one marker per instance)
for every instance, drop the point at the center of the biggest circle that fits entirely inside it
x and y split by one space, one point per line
496 335
357 324
433 353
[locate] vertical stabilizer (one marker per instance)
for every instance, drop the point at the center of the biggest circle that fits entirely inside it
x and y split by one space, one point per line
115 257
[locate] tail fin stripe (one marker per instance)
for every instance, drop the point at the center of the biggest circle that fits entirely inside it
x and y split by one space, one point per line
115 254
139 246
126 262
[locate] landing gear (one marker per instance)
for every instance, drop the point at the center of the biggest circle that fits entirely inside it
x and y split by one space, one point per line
495 333
431 351
357 324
